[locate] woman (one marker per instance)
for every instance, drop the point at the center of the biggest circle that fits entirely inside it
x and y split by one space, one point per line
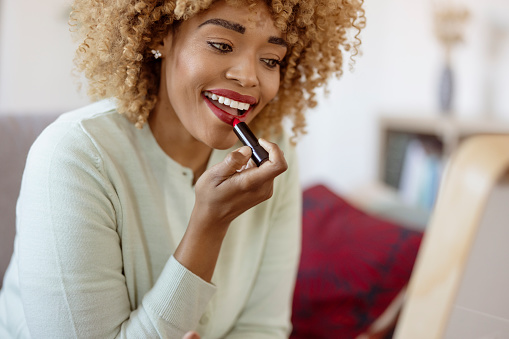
159 224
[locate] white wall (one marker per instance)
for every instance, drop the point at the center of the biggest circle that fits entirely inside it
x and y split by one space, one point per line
36 54
398 73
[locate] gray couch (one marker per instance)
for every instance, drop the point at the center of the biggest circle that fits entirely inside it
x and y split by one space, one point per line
17 133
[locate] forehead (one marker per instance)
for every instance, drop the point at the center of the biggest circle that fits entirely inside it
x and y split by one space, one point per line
256 17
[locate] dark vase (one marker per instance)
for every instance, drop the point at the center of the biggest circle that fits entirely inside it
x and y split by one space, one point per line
446 89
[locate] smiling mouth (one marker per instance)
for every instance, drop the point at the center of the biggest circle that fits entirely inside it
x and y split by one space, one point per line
228 105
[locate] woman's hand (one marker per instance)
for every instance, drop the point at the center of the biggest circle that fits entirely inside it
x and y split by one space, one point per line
223 192
235 185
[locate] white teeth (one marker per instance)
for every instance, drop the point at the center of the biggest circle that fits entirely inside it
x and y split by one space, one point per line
228 102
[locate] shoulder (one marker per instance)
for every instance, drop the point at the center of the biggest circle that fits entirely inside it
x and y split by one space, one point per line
81 135
96 118
90 111
85 126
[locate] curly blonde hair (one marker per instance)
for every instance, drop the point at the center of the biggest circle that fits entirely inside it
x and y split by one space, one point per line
116 39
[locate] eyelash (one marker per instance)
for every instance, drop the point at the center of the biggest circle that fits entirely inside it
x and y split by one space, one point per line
274 63
224 48
218 46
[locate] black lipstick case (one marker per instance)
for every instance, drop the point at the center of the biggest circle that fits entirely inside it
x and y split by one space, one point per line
259 154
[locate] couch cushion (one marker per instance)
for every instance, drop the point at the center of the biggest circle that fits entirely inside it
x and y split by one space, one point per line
17 133
352 266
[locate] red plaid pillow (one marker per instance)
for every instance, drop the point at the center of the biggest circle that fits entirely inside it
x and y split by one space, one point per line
352 266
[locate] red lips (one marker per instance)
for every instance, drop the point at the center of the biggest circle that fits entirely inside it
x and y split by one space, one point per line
224 116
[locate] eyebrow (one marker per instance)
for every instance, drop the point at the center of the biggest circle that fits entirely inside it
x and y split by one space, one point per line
226 24
278 41
241 29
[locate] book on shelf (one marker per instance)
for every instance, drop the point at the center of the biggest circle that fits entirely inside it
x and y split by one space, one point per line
420 173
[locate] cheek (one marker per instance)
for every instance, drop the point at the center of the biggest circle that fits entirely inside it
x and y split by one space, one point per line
272 87
275 88
190 69
188 73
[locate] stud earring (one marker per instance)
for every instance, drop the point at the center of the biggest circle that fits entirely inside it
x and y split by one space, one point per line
156 53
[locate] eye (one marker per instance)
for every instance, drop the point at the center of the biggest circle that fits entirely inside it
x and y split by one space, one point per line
220 46
271 63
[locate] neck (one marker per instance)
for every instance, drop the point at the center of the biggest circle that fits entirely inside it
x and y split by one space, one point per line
176 141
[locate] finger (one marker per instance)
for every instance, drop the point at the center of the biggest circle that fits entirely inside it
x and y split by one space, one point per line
242 168
238 159
276 156
191 335
232 164
250 164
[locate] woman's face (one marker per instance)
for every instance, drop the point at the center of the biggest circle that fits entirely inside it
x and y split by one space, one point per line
219 65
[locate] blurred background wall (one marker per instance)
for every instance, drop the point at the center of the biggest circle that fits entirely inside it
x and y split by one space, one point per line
398 73
36 54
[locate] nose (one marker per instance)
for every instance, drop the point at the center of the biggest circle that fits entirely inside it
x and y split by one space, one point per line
244 71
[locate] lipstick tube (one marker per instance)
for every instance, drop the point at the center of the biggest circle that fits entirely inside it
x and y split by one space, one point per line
259 154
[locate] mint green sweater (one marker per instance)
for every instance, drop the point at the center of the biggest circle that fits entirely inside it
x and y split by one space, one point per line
101 210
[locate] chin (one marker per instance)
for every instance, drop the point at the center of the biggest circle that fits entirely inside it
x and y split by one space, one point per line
223 143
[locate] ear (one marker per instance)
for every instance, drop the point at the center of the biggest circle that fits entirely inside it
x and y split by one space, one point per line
165 46
162 48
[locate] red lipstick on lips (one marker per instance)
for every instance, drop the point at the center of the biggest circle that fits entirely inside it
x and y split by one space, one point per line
246 136
222 114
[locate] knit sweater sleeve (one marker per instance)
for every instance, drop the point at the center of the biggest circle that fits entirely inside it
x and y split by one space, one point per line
70 254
